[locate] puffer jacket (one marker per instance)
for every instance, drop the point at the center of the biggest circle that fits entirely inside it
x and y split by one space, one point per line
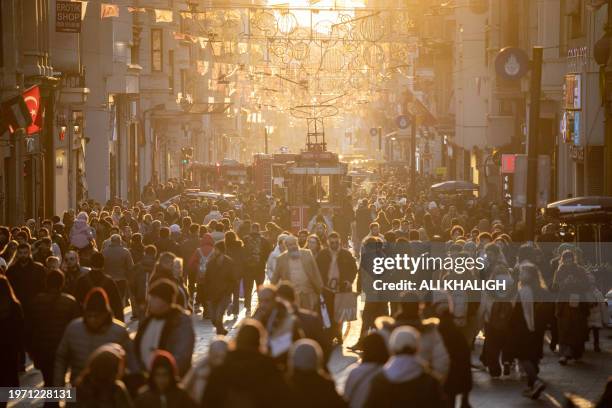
78 343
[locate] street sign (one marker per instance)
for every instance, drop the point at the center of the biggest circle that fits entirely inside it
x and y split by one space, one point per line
373 131
402 121
68 16
511 63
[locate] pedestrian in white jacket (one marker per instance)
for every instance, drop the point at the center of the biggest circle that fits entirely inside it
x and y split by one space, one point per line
278 249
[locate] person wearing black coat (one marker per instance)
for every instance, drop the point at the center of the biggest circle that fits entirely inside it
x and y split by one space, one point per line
96 278
140 278
459 380
165 243
27 277
48 315
234 248
12 346
247 377
218 285
310 385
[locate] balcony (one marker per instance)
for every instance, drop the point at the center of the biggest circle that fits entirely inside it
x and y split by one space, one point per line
72 88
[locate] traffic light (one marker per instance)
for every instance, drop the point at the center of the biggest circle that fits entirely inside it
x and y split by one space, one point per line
186 155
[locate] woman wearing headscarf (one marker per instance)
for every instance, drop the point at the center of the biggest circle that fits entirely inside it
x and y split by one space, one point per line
311 386
99 384
196 379
572 283
163 388
527 321
12 346
374 356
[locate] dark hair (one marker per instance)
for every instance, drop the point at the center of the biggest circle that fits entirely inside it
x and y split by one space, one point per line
194 228
285 291
333 234
220 245
164 232
150 250
55 280
374 349
24 245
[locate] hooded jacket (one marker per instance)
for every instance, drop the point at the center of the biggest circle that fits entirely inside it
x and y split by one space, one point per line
81 233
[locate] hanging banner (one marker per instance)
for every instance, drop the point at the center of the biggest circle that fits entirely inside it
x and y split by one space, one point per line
68 16
163 16
109 10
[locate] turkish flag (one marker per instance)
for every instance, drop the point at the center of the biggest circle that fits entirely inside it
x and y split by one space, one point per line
32 100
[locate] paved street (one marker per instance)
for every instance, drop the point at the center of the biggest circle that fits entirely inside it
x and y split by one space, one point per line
583 382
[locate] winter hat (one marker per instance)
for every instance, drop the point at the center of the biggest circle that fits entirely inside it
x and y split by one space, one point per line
164 289
162 358
403 338
306 355
97 301
251 336
175 229
105 364
97 260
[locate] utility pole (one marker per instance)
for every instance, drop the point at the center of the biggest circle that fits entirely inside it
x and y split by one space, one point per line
15 184
532 142
413 141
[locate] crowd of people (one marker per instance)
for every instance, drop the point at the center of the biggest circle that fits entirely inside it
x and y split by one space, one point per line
66 283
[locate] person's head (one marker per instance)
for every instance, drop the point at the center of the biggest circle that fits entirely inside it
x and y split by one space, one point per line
194 229
374 228
529 275
115 239
177 269
314 244
374 349
404 340
251 337
405 226
286 292
484 238
150 251
96 310
4 235
162 296
456 232
302 237
280 241
266 294
217 351
306 356
255 227
52 263
334 241
54 282
165 262
24 253
97 261
104 366
493 252
71 259
292 246
43 232
163 371
164 232
568 257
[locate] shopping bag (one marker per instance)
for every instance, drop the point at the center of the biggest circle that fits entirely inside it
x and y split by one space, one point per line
324 314
345 307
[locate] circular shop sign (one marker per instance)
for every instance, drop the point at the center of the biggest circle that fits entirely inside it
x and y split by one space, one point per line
402 121
511 63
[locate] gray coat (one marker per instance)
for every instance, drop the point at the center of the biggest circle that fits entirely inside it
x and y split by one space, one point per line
118 262
78 343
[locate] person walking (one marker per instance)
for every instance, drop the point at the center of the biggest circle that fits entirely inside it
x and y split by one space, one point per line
257 250
50 313
310 384
403 381
219 282
99 384
375 355
97 278
85 334
118 264
13 345
298 266
27 278
162 389
166 327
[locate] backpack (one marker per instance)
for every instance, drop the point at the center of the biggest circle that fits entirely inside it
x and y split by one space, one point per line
202 265
253 250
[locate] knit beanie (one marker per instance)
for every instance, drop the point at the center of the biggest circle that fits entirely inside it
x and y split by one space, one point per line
164 289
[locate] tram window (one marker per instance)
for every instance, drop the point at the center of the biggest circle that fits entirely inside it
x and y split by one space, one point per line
319 186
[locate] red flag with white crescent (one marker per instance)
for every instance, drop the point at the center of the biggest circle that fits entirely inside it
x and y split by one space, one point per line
32 100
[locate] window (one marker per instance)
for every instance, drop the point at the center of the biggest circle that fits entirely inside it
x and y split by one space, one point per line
576 14
157 50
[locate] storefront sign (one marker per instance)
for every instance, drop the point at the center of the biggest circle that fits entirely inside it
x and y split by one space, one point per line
576 153
572 92
68 16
